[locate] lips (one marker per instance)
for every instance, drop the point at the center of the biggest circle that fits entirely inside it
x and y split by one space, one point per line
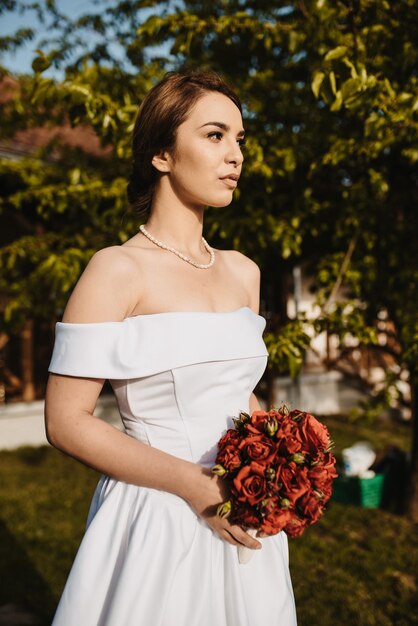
231 176
230 180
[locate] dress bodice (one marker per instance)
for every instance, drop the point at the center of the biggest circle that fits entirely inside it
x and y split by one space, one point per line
179 377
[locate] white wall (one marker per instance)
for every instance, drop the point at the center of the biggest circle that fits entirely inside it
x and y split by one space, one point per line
22 423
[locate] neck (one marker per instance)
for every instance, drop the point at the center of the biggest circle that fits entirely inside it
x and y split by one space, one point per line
178 226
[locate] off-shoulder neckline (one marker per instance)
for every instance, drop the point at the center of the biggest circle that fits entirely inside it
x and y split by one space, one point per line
144 315
192 312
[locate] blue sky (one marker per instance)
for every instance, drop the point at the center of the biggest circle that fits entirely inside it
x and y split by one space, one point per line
20 61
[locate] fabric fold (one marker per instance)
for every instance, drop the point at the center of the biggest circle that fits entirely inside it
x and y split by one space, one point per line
143 345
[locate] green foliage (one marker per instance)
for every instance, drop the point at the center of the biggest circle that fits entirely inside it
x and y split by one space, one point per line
38 276
329 93
286 349
388 395
361 82
346 319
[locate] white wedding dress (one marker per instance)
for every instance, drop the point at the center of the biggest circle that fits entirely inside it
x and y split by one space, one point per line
146 558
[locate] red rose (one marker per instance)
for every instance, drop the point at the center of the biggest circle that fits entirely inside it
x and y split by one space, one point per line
252 431
289 436
291 445
319 476
259 448
310 507
276 520
295 527
292 480
314 433
322 476
249 485
270 504
258 418
229 457
231 436
328 461
244 516
258 468
322 473
326 492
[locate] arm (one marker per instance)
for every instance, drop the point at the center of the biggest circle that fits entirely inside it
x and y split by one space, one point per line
70 402
72 428
254 403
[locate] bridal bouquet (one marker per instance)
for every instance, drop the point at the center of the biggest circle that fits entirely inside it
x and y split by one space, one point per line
281 471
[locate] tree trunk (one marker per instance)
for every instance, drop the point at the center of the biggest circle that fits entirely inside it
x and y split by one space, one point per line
4 338
26 336
276 304
412 487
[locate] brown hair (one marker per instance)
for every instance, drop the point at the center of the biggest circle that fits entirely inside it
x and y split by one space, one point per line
162 111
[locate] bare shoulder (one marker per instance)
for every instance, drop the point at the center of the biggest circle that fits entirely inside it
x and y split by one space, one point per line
241 263
103 291
114 259
247 274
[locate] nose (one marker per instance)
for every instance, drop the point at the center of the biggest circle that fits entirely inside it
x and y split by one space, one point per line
234 154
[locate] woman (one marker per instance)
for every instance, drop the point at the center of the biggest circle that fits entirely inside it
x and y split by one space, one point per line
174 325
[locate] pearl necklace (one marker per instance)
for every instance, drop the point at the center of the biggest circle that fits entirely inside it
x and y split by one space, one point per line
179 254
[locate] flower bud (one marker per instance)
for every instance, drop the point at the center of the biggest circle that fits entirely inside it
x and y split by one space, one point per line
224 509
285 503
219 470
270 474
244 417
283 409
298 458
330 446
271 425
239 426
266 505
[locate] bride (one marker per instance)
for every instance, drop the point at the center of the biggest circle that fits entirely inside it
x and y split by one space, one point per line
174 325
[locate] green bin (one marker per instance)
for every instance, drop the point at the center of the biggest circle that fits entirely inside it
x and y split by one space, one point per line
365 492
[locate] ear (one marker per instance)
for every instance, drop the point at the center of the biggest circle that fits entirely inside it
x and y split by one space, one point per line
162 161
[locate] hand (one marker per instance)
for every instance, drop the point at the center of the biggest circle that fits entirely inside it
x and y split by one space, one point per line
208 493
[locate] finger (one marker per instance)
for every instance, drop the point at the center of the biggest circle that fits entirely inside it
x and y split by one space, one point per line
230 539
244 538
224 533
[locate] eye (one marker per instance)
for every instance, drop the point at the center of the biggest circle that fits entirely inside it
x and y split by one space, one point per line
216 134
242 142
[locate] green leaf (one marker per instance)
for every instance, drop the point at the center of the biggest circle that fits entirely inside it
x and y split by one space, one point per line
336 53
317 82
333 83
40 64
336 105
350 88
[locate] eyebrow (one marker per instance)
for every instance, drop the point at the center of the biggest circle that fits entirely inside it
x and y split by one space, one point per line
224 127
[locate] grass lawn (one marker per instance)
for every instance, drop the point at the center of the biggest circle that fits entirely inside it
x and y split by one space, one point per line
355 567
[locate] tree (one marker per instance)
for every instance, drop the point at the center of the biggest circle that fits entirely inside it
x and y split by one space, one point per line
362 79
329 92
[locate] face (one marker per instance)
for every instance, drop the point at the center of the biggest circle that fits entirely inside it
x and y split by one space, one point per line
207 159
